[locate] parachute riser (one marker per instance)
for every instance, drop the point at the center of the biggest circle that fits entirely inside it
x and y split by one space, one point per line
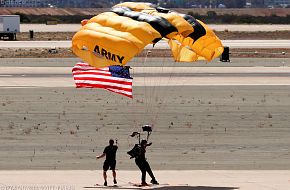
139 136
135 152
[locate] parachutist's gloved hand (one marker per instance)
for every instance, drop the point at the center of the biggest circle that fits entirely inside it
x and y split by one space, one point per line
149 144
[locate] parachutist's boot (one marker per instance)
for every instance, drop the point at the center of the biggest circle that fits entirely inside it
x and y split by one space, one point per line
115 181
144 184
153 181
105 183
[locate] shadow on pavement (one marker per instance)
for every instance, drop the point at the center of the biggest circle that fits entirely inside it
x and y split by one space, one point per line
195 188
171 188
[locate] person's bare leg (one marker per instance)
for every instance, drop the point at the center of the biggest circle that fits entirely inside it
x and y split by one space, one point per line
105 177
114 176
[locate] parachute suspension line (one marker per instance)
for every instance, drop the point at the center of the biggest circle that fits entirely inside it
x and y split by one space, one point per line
132 116
166 87
160 85
146 88
158 88
152 83
156 68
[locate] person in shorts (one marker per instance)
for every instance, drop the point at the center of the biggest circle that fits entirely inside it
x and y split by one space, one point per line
110 162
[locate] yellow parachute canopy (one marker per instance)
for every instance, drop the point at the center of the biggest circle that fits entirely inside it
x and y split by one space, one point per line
113 38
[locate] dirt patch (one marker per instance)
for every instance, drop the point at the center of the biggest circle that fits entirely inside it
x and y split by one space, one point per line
223 35
246 11
52 11
260 53
277 35
245 53
66 53
35 53
45 36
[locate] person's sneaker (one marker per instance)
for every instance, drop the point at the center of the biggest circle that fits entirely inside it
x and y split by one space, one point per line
154 182
105 183
115 181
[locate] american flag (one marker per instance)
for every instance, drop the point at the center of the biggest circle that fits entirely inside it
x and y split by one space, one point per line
113 78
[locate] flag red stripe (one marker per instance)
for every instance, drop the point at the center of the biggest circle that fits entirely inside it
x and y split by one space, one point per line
92 73
102 80
128 95
79 85
86 66
89 69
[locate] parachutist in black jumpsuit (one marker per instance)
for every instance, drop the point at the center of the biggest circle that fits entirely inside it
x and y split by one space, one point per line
143 165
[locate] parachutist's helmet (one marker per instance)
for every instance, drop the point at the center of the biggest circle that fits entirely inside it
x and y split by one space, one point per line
143 142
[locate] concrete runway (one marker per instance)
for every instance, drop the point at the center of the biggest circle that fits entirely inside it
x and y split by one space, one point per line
160 45
43 76
151 76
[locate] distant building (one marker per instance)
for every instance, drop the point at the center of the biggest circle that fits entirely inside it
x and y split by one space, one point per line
165 3
256 3
274 3
25 3
48 3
